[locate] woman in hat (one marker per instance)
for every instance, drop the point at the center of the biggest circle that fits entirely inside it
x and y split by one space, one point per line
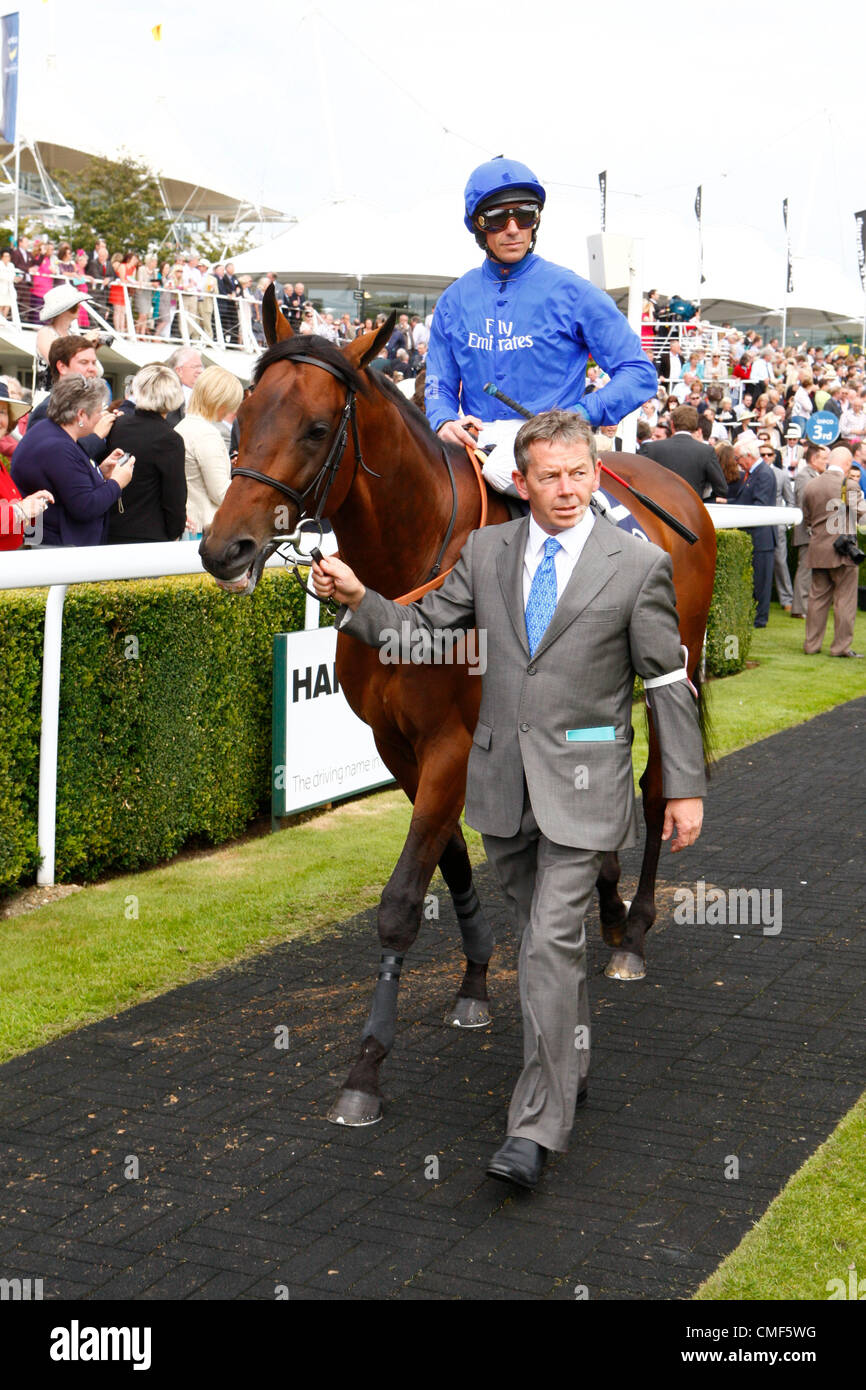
10 413
58 314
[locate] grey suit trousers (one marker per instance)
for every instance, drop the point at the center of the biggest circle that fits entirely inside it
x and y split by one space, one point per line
549 888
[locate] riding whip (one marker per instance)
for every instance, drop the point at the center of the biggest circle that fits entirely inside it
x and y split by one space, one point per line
641 497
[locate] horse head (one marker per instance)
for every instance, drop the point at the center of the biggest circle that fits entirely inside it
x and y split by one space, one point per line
296 455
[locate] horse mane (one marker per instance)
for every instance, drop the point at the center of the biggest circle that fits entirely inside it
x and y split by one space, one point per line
408 409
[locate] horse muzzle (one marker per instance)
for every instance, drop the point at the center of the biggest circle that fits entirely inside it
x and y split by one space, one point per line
237 565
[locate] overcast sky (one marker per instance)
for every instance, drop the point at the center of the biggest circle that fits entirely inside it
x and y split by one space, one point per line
293 102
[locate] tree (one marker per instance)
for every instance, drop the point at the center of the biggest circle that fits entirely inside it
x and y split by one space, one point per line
216 249
118 199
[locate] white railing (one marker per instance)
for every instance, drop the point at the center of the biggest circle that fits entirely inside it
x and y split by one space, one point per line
57 568
178 315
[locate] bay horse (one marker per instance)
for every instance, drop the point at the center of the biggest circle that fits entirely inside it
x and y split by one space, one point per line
321 435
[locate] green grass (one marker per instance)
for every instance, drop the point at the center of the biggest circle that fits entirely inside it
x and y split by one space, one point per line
813 1232
88 955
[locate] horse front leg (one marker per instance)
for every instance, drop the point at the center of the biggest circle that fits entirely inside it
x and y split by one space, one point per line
612 909
471 1008
400 910
628 962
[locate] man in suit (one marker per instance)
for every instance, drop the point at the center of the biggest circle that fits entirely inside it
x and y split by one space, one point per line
812 466
757 489
784 498
229 289
833 506
187 364
571 608
688 456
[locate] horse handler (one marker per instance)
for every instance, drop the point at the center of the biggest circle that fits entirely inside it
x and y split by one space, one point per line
525 325
572 608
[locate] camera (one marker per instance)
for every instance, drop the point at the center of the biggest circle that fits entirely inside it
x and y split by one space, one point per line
847 546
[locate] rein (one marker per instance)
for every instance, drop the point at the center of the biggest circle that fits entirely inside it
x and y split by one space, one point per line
439 579
328 472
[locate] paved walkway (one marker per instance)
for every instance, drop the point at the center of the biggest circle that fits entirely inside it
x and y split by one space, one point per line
738 1043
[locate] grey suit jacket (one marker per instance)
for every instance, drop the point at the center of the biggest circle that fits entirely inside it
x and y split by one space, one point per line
616 616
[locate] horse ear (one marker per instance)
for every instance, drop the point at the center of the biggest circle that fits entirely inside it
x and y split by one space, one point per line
274 321
365 347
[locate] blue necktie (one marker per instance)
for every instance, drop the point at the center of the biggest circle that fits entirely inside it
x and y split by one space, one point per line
541 604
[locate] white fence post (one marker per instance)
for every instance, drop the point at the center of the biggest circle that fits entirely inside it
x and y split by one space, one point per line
47 813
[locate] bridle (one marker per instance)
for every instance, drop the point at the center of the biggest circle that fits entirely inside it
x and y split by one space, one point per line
324 479
322 483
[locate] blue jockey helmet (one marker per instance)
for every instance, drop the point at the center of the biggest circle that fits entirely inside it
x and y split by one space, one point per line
499 179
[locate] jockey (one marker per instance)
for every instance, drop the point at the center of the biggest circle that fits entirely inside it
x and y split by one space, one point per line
526 325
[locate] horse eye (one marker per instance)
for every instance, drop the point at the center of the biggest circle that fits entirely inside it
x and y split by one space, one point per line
317 432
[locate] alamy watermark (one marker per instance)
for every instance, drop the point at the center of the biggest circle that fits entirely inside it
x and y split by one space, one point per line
438 646
736 907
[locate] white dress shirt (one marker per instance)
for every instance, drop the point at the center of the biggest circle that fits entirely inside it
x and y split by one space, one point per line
571 543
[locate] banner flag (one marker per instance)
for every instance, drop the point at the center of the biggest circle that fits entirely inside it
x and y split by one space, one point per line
9 117
789 278
860 220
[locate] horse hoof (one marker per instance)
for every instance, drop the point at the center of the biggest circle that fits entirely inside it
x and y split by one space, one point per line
355 1108
468 1013
625 965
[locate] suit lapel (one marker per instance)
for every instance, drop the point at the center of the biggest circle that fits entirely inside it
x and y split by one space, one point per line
509 567
589 576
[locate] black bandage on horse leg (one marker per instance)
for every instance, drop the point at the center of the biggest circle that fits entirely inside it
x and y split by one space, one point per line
383 1014
477 933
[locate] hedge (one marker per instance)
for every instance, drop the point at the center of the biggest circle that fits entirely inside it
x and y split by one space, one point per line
732 610
165 719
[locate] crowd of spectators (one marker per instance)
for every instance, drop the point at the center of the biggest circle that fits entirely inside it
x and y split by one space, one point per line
81 470
731 416
139 295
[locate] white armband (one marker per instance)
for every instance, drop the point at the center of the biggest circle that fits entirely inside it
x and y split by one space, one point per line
681 674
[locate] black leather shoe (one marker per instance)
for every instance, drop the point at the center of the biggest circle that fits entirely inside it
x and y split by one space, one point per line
520 1161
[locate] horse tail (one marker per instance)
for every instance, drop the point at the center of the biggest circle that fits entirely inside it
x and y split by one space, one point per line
705 721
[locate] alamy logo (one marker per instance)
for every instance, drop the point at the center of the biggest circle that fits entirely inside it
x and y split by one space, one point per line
855 1288
738 907
20 1290
77 1343
438 646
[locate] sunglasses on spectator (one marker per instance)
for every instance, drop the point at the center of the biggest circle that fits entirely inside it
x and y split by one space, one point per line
767 453
526 215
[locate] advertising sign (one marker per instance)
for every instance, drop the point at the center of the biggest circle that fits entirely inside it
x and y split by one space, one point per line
321 750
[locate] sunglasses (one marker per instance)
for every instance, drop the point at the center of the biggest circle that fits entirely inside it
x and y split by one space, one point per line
526 215
766 453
